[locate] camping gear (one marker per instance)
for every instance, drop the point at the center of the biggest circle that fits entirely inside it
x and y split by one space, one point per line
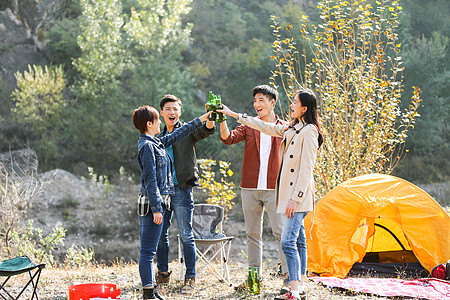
93 291
441 271
16 266
210 242
377 219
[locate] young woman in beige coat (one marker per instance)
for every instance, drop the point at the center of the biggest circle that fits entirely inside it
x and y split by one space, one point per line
295 182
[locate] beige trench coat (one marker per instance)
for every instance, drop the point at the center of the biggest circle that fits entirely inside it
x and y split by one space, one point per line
298 151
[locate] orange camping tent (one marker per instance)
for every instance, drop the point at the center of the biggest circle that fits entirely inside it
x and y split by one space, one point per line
376 214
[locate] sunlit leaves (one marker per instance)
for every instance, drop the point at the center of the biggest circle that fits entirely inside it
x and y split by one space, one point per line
219 192
38 96
103 54
357 75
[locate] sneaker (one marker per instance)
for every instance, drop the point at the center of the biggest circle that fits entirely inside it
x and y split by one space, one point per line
285 288
189 286
163 278
288 296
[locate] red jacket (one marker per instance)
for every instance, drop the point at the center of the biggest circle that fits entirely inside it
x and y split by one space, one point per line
250 164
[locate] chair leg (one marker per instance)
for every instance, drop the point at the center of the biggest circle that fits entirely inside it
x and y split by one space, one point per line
5 291
226 260
36 275
208 261
38 272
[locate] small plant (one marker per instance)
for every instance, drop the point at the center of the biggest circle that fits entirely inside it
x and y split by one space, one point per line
79 256
18 185
99 180
69 202
33 244
124 176
220 193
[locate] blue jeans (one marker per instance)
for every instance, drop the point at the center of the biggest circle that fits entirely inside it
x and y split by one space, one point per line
149 237
182 204
293 243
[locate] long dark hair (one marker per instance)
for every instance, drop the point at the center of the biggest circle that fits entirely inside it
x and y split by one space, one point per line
308 98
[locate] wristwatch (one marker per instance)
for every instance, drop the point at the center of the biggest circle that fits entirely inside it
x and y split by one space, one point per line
243 116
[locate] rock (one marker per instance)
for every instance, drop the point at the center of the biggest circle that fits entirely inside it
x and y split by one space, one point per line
22 25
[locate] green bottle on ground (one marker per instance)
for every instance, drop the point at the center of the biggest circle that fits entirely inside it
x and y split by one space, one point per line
250 280
257 282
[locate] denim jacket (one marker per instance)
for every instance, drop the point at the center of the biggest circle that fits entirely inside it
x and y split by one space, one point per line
155 164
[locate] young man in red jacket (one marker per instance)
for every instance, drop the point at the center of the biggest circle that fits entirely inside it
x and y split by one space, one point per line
259 173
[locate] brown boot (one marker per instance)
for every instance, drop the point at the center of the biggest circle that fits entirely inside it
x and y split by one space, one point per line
163 277
189 286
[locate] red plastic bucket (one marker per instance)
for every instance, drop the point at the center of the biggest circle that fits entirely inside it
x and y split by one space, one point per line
93 290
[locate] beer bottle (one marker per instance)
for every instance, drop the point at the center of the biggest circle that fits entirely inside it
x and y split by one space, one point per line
257 284
250 280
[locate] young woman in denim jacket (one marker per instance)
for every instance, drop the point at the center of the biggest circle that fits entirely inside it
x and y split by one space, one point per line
156 179
295 181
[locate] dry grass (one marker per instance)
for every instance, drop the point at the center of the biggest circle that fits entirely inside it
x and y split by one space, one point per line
54 283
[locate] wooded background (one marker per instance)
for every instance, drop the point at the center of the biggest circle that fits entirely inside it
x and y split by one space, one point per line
102 61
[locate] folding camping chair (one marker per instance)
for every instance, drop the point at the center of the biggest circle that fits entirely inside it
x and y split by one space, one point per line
16 266
210 241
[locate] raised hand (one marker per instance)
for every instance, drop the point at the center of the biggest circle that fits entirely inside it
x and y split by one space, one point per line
205 116
228 112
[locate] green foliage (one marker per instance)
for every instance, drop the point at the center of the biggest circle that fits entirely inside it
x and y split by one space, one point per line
38 97
40 106
356 71
79 257
219 192
427 61
103 56
37 247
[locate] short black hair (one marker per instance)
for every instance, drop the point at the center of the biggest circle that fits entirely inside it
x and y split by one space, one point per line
266 90
169 98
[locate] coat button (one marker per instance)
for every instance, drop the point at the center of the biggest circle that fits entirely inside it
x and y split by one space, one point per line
297 132
291 183
292 143
292 170
291 156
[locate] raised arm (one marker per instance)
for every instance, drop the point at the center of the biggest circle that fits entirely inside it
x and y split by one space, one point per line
272 129
184 131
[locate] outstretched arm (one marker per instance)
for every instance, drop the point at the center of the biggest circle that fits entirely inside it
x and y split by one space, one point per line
256 123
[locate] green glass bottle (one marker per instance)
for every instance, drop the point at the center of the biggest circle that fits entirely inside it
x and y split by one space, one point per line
257 282
250 280
211 106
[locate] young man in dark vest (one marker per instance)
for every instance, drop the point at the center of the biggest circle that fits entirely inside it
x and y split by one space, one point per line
183 156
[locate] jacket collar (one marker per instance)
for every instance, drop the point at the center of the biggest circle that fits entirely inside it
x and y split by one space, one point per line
177 125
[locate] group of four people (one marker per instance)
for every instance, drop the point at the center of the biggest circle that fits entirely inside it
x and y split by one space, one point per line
277 175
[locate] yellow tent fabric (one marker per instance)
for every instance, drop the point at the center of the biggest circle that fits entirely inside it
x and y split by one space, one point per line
345 221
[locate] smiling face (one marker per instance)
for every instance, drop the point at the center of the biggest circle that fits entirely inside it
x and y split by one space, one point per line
171 112
154 127
297 110
263 106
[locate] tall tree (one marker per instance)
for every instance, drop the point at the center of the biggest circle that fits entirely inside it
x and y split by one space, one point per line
356 71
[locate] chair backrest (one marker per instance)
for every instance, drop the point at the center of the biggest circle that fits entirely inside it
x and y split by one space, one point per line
207 220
